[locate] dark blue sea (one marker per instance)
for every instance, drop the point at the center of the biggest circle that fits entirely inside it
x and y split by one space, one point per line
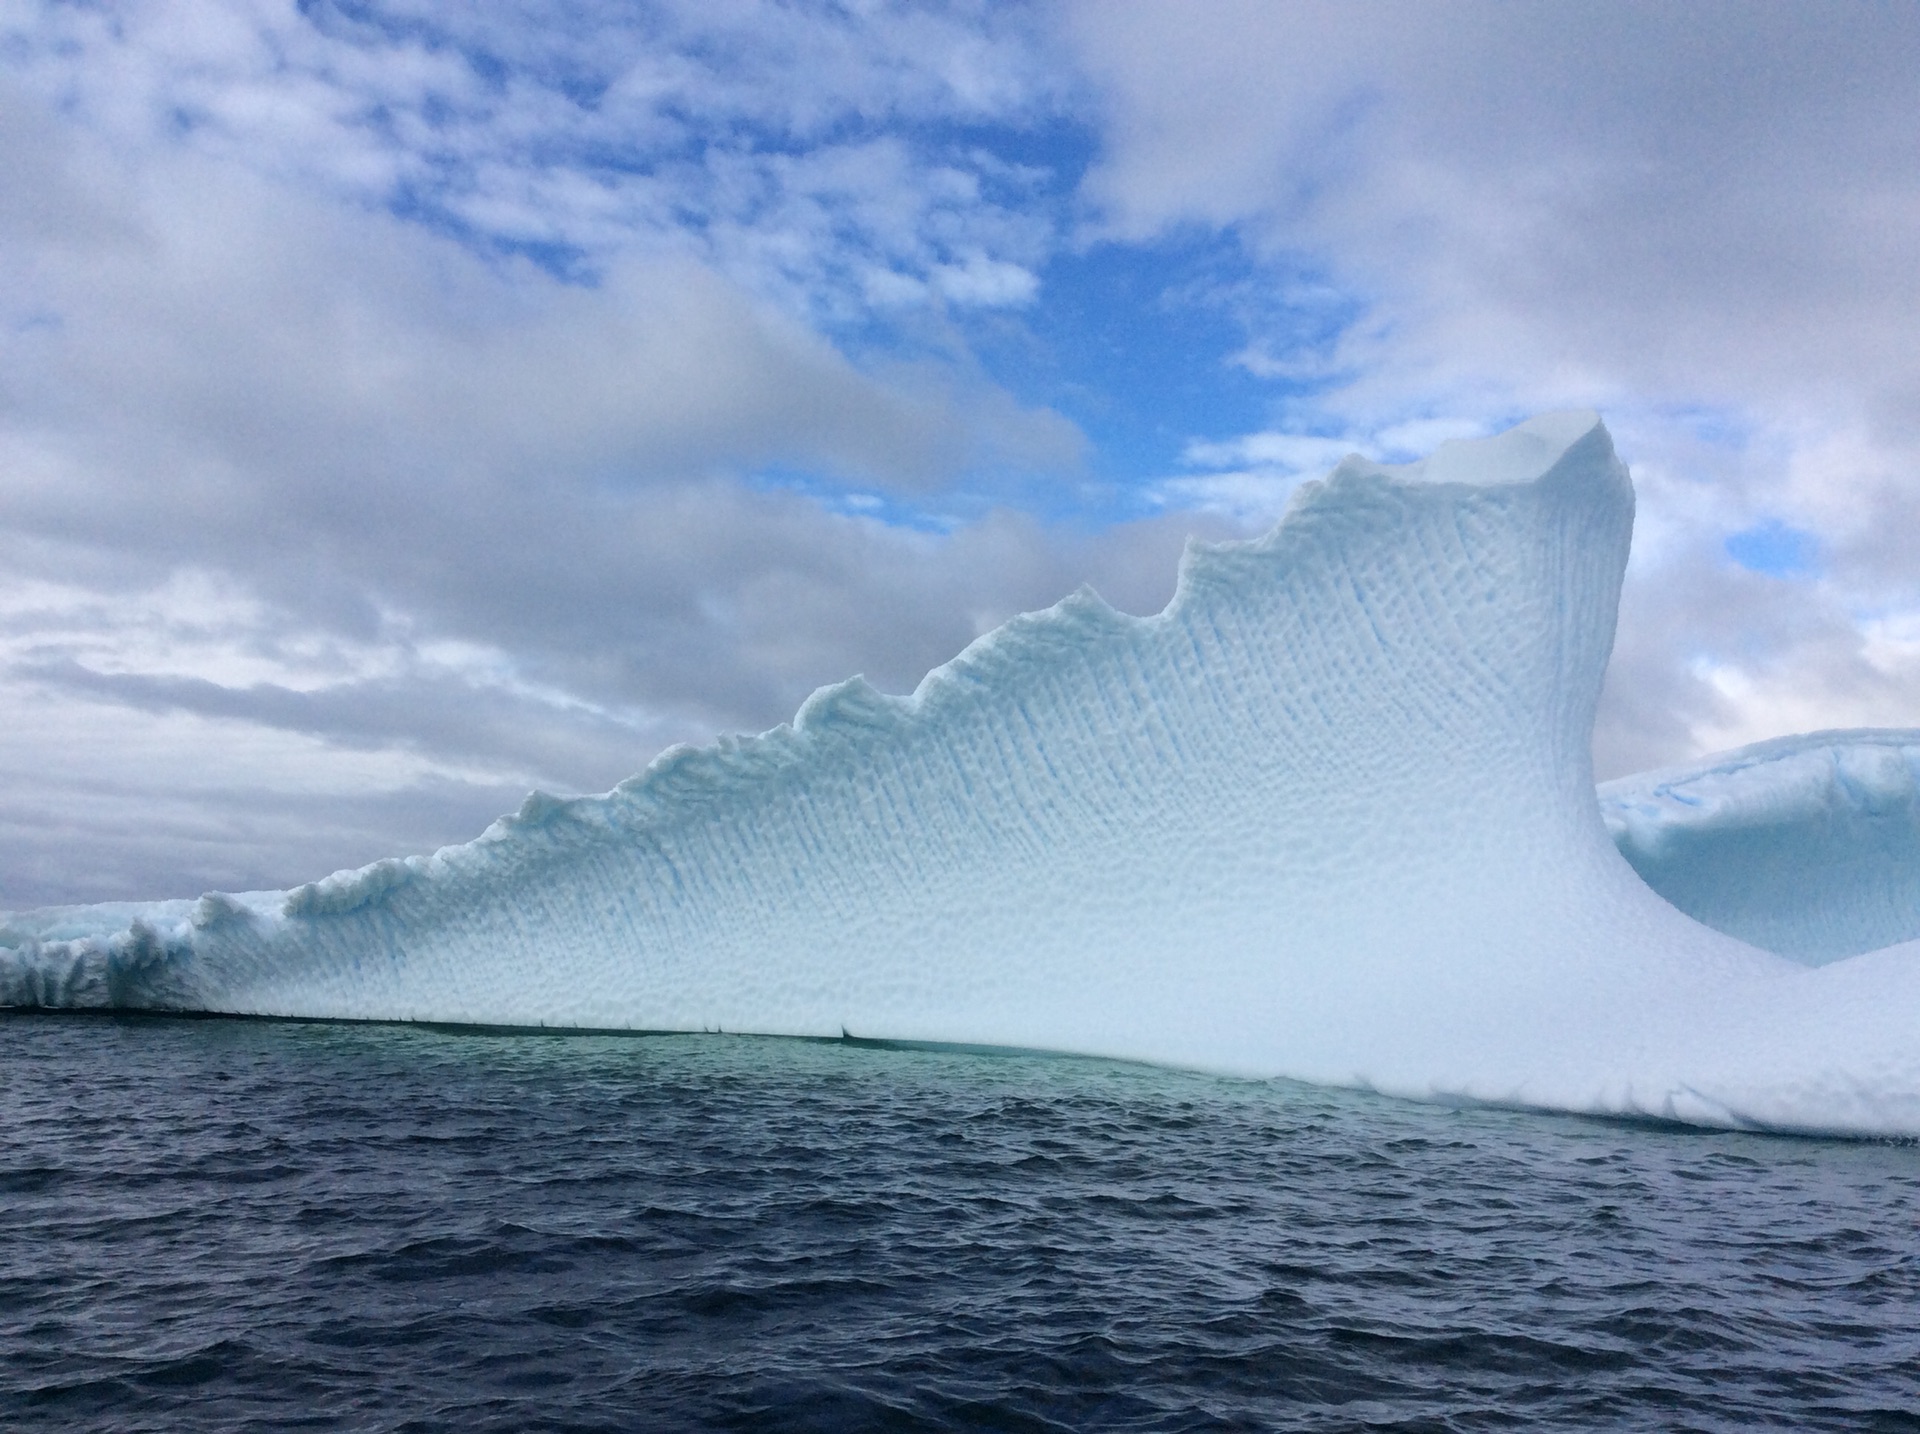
219 1224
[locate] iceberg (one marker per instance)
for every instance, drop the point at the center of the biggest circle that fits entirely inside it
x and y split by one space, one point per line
1808 846
1329 816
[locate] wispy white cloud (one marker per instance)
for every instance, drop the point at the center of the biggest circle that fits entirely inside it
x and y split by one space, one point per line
402 404
1288 452
1675 214
787 147
1251 478
310 508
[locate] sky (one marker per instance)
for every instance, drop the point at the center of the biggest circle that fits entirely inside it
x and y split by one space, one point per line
407 405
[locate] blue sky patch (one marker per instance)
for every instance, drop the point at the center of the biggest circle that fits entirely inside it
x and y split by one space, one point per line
1136 344
1775 549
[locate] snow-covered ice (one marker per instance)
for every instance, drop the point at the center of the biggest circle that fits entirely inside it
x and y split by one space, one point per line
1809 846
1330 815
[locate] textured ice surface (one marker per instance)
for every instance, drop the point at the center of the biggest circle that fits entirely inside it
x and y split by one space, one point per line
1330 815
1809 846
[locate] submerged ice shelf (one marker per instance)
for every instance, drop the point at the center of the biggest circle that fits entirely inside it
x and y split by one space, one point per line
1330 815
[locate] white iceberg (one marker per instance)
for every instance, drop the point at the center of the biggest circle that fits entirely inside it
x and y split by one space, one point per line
1808 846
1328 816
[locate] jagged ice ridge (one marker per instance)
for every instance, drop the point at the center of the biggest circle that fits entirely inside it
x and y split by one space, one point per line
1328 816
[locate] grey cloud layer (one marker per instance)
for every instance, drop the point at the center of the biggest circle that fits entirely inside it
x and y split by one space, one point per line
483 524
324 533
1698 217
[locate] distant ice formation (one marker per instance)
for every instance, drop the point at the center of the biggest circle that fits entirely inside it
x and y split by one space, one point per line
1330 816
1809 846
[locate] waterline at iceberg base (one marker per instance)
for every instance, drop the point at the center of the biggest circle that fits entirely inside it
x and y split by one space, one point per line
1328 816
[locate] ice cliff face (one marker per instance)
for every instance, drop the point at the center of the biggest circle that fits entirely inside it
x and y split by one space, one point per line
1330 816
1809 846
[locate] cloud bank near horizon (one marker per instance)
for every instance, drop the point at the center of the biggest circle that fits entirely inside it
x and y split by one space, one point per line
400 409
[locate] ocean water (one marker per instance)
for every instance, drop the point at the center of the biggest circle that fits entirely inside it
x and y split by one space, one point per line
217 1224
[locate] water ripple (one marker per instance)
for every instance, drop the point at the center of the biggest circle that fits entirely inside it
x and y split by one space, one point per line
223 1225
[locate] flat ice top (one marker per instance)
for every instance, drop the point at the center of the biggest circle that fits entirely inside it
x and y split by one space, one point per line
1520 455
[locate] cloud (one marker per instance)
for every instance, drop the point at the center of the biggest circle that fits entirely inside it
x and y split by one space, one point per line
1251 478
1703 219
250 325
403 405
309 508
714 609
796 149
1289 452
1711 203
